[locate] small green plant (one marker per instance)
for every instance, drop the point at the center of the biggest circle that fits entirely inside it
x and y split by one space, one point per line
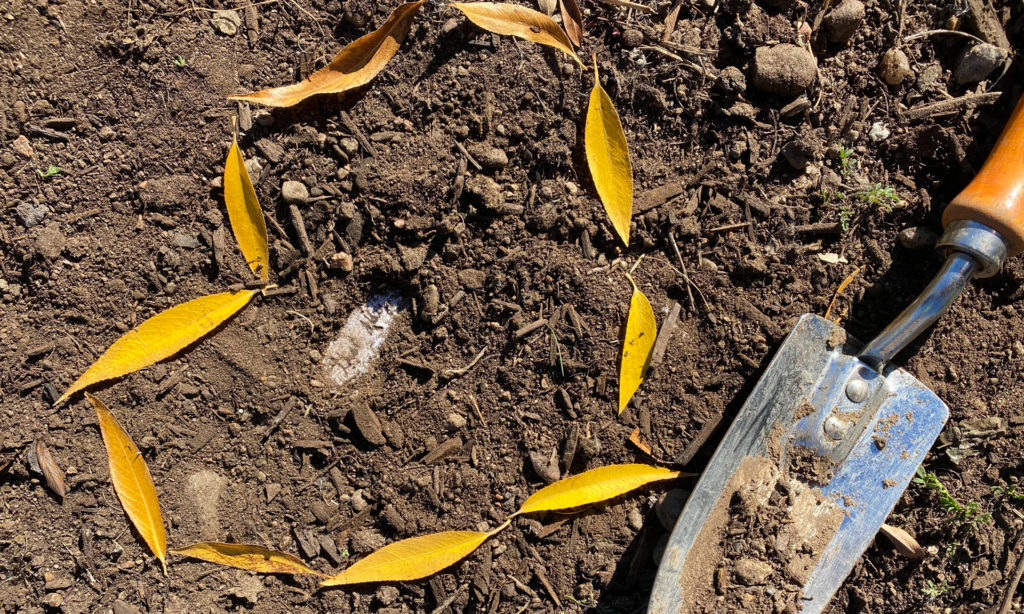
846 161
968 515
180 61
1011 492
933 591
51 171
884 197
845 215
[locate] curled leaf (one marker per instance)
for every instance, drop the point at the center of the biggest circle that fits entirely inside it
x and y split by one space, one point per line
572 19
595 486
162 336
247 556
50 469
132 482
413 558
244 211
641 331
354 66
904 542
515 20
608 159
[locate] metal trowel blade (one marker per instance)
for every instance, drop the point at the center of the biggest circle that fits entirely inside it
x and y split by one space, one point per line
872 430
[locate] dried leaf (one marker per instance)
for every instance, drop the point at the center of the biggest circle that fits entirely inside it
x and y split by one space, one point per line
413 558
595 486
627 4
608 159
162 336
247 556
572 19
132 482
50 469
515 20
638 440
904 542
831 258
637 345
548 6
846 282
244 211
356 65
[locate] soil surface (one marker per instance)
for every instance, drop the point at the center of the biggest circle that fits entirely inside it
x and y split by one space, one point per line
771 200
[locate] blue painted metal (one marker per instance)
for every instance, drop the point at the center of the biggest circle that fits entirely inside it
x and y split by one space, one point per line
877 445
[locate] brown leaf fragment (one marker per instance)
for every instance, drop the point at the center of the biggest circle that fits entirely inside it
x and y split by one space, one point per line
572 20
50 469
354 66
637 440
904 542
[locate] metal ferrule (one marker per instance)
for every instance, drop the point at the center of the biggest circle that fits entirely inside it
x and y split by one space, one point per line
972 249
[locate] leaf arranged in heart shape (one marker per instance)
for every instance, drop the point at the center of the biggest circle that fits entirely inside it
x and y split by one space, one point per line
641 331
162 336
354 66
515 20
132 482
244 211
594 486
247 556
608 159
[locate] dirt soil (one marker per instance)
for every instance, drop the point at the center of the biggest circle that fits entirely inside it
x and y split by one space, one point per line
248 442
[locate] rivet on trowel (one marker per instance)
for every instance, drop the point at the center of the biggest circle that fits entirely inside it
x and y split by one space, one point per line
857 390
836 428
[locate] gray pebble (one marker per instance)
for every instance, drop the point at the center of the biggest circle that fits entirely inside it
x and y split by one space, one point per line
783 69
751 572
918 237
632 38
107 133
894 67
489 156
670 506
294 192
31 214
843 21
978 62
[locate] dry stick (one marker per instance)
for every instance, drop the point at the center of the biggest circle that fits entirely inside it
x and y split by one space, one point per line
453 373
1011 588
931 32
686 277
451 599
950 106
354 129
300 229
464 152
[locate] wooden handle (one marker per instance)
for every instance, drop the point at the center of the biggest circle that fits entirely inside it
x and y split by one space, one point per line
996 195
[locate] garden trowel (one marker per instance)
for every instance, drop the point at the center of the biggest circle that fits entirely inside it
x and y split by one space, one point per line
840 429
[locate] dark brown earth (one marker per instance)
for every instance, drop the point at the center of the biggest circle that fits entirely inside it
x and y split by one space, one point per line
745 183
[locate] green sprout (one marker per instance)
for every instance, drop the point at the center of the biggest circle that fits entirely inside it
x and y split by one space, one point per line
932 591
51 171
845 215
883 197
846 160
180 62
968 514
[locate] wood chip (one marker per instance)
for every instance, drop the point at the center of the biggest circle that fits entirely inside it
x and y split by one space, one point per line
444 450
368 424
665 335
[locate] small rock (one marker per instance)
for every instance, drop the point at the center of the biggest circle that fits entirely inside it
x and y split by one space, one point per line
50 241
294 192
670 506
918 237
928 77
394 434
412 257
546 465
368 424
247 588
751 572
732 80
489 157
22 146
894 67
843 21
707 265
798 153
878 132
590 447
632 38
472 279
184 241
366 541
272 490
784 69
205 488
486 191
53 600
226 22
349 145
358 501
107 133
387 594
58 584
978 62
31 214
340 261
123 607
456 420
321 511
270 150
635 519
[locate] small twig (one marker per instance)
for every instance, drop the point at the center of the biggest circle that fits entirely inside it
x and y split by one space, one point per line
320 474
686 277
354 129
907 39
453 373
464 152
451 599
729 227
300 229
1018 572
953 105
476 410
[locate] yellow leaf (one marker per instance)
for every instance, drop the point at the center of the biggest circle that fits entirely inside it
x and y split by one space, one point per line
641 331
515 20
413 558
595 486
132 482
162 336
244 211
247 556
354 66
608 159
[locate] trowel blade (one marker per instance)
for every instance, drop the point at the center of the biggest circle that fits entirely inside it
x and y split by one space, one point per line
803 402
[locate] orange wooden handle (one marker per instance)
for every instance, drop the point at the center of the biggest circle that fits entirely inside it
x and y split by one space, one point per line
996 195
